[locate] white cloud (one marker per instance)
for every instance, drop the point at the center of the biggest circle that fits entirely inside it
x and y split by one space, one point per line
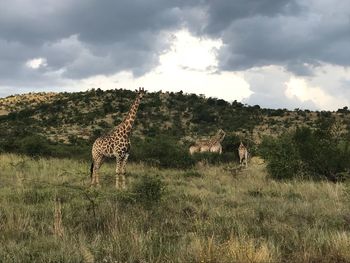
275 87
189 52
304 91
36 63
299 88
189 65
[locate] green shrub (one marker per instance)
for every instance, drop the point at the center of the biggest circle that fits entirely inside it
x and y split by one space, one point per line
283 160
230 143
322 154
162 152
149 190
34 146
307 153
81 151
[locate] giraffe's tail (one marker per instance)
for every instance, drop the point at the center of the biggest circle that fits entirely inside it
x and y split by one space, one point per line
91 169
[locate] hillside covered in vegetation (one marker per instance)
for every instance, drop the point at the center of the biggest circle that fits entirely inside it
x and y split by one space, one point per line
69 122
283 207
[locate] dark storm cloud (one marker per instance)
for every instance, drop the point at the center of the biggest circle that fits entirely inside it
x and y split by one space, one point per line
222 13
295 34
94 21
84 38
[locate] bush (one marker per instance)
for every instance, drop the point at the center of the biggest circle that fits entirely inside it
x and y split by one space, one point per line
307 153
149 190
283 160
322 154
230 143
81 151
163 152
34 146
166 152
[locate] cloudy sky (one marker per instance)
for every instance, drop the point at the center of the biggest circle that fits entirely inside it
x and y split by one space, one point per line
275 53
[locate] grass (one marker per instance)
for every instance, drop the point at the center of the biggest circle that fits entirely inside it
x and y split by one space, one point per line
206 215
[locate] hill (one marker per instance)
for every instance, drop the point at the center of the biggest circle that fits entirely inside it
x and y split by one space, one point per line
208 211
78 118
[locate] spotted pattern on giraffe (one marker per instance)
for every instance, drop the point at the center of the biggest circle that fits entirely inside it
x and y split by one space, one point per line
211 145
115 144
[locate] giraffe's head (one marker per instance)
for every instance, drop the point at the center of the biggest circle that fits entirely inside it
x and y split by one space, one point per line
141 92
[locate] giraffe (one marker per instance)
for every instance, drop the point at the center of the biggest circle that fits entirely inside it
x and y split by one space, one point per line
216 148
115 144
243 154
211 145
193 149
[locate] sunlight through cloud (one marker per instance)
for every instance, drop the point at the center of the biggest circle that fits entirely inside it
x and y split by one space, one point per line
36 63
189 65
303 91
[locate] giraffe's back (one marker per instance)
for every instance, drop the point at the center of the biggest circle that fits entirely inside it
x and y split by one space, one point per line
110 145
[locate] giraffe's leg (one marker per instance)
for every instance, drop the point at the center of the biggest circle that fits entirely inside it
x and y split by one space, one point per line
123 171
97 162
118 171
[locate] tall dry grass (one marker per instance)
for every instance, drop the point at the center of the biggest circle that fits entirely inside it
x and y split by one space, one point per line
207 215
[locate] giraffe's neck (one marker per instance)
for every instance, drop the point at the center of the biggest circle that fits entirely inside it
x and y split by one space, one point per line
215 139
129 119
212 141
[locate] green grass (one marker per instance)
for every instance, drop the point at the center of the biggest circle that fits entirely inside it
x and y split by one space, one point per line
204 215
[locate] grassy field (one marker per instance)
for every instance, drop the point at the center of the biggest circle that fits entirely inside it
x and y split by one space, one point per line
209 214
